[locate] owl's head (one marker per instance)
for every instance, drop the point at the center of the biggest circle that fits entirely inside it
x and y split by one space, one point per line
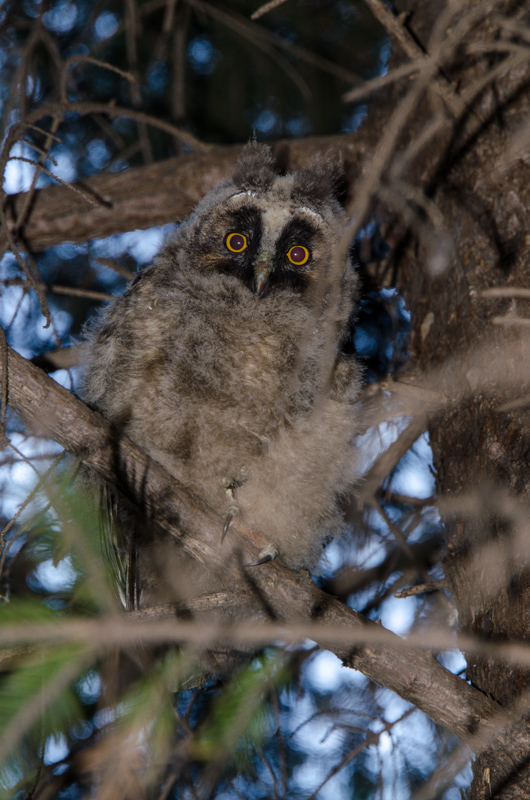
271 232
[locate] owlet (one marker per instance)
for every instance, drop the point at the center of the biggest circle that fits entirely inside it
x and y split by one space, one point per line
223 361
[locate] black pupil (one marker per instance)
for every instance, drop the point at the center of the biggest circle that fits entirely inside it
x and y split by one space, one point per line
237 241
297 254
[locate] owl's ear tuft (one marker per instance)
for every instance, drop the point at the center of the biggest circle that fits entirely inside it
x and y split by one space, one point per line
255 168
320 182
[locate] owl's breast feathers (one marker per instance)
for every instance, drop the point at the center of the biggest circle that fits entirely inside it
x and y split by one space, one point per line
229 385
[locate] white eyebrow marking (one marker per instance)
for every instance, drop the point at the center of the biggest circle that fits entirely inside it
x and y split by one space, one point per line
243 194
309 211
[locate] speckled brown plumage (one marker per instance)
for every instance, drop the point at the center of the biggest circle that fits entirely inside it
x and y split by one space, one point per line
242 395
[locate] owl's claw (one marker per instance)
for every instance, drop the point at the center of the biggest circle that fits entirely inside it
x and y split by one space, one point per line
267 554
233 511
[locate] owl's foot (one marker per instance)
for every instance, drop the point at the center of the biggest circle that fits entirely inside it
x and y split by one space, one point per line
268 553
233 511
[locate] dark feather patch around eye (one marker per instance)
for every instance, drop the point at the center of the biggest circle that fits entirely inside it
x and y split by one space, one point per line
297 233
210 238
245 220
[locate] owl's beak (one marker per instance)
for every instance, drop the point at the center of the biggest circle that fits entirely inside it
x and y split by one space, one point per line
261 285
262 271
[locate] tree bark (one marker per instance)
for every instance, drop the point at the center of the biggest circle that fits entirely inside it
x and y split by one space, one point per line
480 446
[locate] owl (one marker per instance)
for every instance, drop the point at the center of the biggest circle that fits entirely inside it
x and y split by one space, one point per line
223 360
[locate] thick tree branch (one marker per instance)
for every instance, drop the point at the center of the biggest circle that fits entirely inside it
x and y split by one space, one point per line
293 598
152 195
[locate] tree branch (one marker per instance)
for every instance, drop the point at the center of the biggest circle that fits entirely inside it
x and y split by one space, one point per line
151 195
293 598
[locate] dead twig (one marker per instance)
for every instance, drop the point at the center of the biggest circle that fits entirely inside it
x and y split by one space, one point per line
265 8
507 291
422 588
70 291
397 29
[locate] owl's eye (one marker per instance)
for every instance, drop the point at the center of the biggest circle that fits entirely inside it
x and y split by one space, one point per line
236 242
298 255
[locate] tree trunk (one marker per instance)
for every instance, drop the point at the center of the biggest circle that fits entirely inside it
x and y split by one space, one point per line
480 448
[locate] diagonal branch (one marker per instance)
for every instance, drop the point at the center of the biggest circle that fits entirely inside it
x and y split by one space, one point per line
414 675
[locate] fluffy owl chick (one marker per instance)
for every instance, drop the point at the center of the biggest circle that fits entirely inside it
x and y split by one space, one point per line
223 359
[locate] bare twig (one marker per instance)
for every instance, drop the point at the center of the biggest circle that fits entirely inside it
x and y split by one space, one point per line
30 497
264 9
397 29
70 291
368 87
40 168
131 32
240 23
507 291
178 61
422 588
128 76
390 458
510 320
111 264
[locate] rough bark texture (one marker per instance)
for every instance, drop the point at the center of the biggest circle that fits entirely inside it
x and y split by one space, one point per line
479 449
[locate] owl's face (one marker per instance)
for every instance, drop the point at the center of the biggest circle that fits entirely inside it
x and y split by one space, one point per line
271 233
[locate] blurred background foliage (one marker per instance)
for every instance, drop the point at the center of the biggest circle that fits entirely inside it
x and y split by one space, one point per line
293 722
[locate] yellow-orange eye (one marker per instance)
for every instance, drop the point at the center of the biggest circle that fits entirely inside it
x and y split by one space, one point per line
298 255
236 242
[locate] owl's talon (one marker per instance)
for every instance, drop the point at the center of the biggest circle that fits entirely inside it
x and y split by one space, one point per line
267 554
233 511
